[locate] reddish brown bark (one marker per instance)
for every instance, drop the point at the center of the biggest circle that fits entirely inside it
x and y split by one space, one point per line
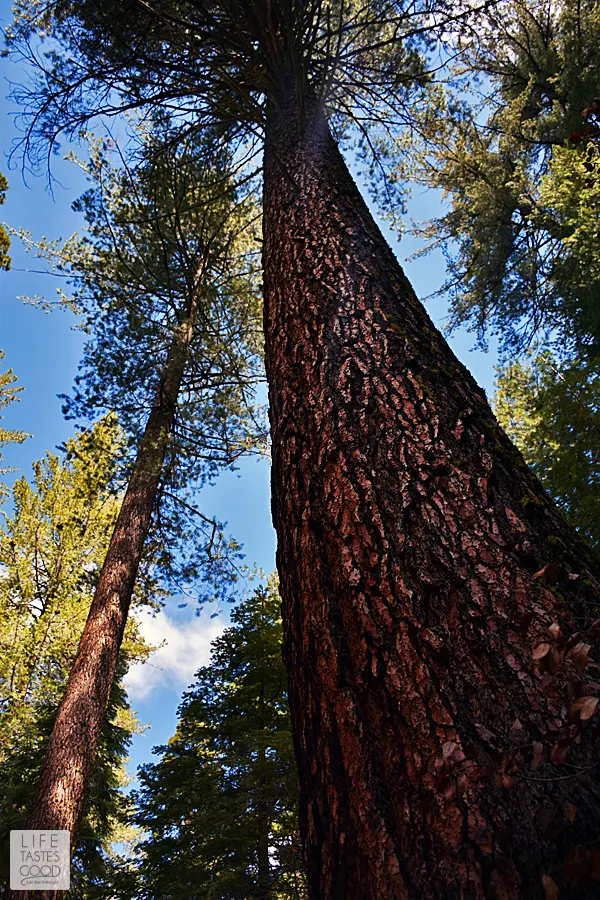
409 531
60 795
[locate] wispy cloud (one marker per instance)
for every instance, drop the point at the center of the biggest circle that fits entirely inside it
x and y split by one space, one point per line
172 667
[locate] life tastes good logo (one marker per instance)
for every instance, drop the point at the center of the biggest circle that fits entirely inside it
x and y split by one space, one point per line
40 860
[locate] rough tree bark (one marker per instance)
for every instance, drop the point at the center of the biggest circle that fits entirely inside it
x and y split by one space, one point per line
409 536
60 794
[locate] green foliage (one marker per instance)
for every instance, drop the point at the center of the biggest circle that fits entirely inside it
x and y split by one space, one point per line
8 395
349 50
225 63
174 226
51 549
219 807
521 234
570 197
552 413
4 238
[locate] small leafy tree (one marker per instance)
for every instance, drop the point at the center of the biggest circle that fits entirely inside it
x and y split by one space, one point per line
219 808
52 546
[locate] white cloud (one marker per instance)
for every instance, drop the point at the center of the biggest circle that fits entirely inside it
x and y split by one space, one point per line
172 667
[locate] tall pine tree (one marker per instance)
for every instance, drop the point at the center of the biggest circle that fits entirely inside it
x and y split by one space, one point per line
219 808
164 282
437 609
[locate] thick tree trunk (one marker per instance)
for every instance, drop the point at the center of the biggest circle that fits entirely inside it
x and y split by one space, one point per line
60 796
409 536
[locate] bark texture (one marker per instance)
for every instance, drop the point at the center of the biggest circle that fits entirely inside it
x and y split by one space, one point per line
409 534
60 795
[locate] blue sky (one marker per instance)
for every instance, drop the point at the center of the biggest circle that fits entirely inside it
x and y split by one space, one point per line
44 352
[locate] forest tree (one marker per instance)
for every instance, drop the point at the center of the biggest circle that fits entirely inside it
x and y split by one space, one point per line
165 292
219 807
52 546
439 614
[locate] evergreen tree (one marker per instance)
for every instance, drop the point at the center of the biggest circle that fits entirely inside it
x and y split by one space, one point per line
167 295
551 410
175 226
219 808
518 165
52 546
437 610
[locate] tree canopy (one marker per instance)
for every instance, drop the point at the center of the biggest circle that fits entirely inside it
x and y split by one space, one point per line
52 546
552 413
516 157
369 64
173 225
219 807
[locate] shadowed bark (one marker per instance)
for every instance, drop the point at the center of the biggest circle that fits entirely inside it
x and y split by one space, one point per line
409 531
264 819
60 795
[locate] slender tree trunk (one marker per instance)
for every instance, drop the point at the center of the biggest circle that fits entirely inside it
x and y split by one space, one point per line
264 826
60 796
264 810
410 533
